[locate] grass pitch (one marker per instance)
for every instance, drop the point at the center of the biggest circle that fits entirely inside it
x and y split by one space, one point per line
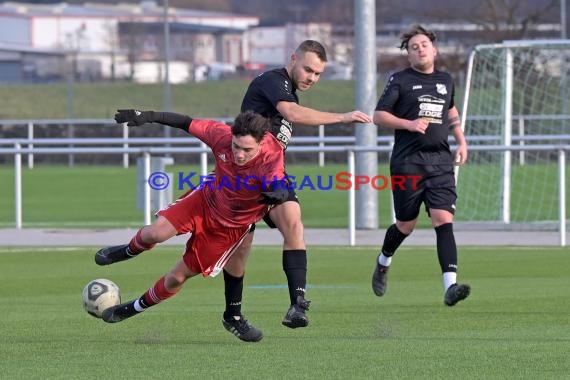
514 325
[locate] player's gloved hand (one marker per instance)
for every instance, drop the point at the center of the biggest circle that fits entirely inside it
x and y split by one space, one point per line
134 117
276 194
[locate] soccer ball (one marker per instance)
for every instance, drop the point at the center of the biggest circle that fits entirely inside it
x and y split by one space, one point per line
99 295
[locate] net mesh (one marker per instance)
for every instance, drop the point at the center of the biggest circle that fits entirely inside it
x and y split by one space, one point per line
538 97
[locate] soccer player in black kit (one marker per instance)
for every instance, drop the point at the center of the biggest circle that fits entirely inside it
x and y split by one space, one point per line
418 104
273 94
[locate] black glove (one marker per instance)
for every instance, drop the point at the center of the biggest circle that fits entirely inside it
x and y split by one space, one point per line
275 194
134 117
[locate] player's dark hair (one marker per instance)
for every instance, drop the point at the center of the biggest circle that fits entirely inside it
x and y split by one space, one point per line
416 29
249 123
312 47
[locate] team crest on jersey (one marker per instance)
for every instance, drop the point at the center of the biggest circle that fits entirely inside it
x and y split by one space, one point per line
440 88
222 156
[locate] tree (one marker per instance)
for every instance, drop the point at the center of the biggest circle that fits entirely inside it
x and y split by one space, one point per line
508 20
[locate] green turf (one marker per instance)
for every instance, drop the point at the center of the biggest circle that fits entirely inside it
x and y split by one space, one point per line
514 325
206 99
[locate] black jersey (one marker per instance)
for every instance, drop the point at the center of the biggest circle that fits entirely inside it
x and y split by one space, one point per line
410 95
262 96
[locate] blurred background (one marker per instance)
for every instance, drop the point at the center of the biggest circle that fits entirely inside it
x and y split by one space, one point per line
45 41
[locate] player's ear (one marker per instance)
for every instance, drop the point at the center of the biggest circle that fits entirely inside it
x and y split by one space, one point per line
294 57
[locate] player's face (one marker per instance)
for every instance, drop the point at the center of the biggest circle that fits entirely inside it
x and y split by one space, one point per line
306 70
421 53
244 148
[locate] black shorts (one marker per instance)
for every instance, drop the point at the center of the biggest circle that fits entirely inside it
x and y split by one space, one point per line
433 185
291 198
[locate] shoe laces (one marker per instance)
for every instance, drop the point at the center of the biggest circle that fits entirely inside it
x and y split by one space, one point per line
240 323
302 304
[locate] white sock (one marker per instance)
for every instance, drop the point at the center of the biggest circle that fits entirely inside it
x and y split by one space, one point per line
449 278
138 306
384 260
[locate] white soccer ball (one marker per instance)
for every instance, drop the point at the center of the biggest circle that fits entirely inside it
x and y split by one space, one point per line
99 295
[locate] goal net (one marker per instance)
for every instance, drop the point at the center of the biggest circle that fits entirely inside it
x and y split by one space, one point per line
515 116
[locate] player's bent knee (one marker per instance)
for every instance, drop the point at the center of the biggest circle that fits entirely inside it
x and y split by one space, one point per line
291 228
406 227
172 282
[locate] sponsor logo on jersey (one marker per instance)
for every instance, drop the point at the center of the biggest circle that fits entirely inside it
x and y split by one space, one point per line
431 108
417 87
430 99
284 133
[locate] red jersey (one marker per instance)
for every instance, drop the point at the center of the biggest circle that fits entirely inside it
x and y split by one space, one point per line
234 195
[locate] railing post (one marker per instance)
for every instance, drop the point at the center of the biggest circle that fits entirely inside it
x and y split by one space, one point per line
204 160
18 184
321 145
71 135
31 146
351 203
146 175
126 146
521 142
562 195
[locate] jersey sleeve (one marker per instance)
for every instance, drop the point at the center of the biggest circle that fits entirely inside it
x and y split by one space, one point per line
210 132
452 98
390 96
276 88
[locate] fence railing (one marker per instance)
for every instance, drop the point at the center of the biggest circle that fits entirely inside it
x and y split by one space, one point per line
31 124
17 150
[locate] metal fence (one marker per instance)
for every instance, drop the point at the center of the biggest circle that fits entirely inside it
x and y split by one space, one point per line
19 147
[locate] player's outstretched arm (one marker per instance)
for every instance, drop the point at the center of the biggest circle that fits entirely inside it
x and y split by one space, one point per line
137 118
387 120
298 114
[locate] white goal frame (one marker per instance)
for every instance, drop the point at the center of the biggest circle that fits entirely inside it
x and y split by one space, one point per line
508 117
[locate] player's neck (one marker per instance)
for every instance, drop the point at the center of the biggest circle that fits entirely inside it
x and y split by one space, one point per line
424 70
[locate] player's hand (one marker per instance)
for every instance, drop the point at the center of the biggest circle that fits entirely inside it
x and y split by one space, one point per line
356 117
460 154
133 117
418 125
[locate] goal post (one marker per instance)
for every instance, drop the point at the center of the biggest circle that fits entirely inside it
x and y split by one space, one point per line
515 114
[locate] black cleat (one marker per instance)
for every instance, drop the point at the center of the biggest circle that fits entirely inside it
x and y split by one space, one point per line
456 293
119 313
380 279
296 316
113 254
240 327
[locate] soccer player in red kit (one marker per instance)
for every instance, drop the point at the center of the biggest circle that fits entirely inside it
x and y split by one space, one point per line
247 177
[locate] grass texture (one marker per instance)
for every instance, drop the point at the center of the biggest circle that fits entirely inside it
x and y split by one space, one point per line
514 325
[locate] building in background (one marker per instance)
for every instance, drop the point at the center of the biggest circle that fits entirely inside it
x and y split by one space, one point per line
90 41
124 40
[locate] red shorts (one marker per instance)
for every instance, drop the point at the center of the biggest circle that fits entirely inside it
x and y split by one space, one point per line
211 244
